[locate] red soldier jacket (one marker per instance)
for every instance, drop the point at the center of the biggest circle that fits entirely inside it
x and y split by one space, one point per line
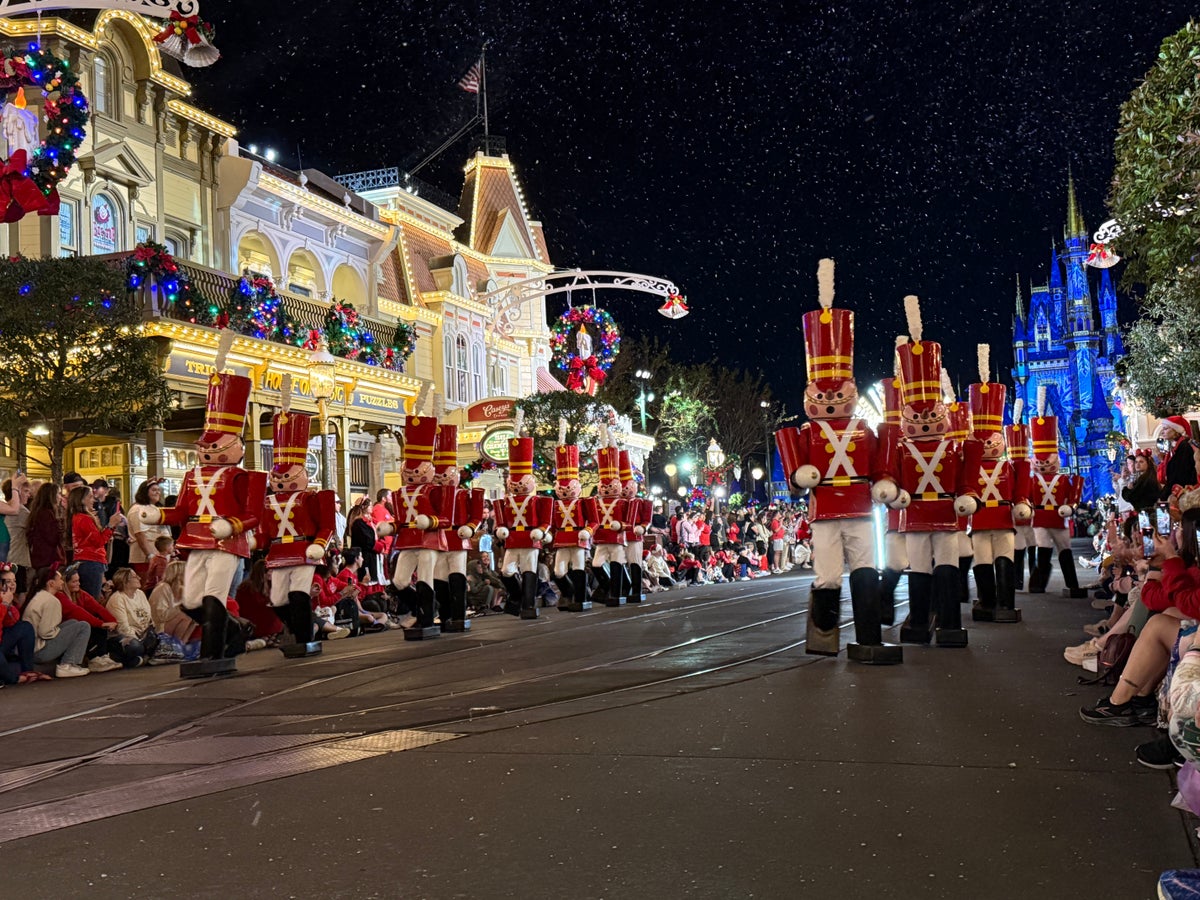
1047 496
466 505
570 518
217 492
520 515
934 473
420 500
611 517
888 436
289 522
844 451
638 512
1000 485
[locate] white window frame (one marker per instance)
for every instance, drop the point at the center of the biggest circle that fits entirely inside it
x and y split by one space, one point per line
71 249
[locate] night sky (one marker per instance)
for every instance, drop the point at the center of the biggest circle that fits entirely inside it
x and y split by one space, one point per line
730 146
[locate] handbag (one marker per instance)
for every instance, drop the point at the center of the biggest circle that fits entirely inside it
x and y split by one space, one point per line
1110 663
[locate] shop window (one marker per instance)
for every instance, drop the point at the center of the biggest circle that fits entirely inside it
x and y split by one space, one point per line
176 245
143 233
360 471
460 368
68 228
106 225
478 368
448 359
102 85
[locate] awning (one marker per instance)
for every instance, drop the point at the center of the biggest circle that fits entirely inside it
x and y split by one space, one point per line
547 382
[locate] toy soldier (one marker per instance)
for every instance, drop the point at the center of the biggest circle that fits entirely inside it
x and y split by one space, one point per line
1054 496
465 508
895 553
936 477
522 518
573 521
638 514
217 514
1016 437
959 429
296 524
832 455
1002 497
608 557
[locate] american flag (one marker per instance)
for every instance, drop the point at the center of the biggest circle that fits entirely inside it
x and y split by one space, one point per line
470 81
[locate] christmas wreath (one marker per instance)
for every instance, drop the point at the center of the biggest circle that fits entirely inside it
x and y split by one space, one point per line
349 338
151 261
256 310
29 181
584 369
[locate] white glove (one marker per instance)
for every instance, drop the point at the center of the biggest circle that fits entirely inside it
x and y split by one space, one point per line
537 534
423 522
385 529
150 515
902 501
251 541
1066 511
639 530
314 553
884 491
965 505
1022 512
501 532
221 529
806 477
585 535
466 532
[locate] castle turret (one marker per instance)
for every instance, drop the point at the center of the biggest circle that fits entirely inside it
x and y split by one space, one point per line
1113 346
1021 339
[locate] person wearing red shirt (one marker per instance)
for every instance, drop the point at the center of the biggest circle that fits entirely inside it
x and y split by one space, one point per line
17 638
777 544
705 530
81 606
689 568
89 539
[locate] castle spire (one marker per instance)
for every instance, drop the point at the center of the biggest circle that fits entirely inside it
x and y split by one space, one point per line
1020 300
1075 226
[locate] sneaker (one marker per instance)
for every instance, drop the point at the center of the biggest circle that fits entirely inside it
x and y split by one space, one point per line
337 634
1158 754
1076 655
410 621
1091 664
1145 709
103 664
1098 629
66 670
256 644
395 626
1108 713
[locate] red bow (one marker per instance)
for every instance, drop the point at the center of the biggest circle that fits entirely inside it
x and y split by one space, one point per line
188 26
18 194
579 368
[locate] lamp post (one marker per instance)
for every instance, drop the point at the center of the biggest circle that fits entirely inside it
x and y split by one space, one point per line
756 475
766 408
716 459
718 496
642 375
322 369
672 471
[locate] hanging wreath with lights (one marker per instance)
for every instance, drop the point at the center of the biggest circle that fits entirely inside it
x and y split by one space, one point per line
150 263
585 359
29 178
256 310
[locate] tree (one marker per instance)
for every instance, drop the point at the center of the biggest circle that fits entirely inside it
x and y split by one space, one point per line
583 414
741 421
75 356
1155 193
1163 359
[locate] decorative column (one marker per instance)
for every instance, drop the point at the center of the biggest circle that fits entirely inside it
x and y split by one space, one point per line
156 457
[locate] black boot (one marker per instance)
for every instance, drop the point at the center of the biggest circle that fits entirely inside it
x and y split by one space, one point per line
579 596
823 638
213 619
1066 564
529 608
964 579
616 584
1019 569
454 610
868 646
600 594
984 609
512 594
566 591
424 629
918 626
441 595
299 622
888 580
949 631
636 594
1041 574
1006 592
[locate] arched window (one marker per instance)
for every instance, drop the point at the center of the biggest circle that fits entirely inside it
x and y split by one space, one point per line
461 372
499 379
448 360
102 87
478 369
106 225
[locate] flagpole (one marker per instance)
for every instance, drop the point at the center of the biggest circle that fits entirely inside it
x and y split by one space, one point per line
483 85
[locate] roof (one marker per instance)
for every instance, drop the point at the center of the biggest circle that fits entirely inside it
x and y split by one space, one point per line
489 196
546 383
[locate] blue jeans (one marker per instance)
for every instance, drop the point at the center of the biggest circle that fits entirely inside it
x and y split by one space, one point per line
69 646
17 641
91 577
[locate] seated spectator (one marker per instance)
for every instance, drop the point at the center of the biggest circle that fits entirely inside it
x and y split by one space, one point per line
135 625
253 599
689 568
166 607
658 572
56 641
17 638
164 553
485 590
78 604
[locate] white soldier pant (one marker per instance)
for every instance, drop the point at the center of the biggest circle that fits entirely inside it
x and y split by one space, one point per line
208 573
895 552
518 560
1058 538
606 553
567 559
633 553
837 543
964 544
929 549
297 579
418 560
1024 537
450 562
991 545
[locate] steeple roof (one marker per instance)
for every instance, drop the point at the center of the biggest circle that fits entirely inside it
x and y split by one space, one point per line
1100 409
1020 300
1075 226
1055 271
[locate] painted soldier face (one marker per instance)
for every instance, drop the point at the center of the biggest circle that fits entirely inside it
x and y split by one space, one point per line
567 490
1046 466
629 489
449 477
293 478
609 489
522 486
993 446
926 423
422 474
227 451
829 399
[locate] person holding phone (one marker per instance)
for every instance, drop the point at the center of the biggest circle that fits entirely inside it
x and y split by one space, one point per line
17 637
1142 493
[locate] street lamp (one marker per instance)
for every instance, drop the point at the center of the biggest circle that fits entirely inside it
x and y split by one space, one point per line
766 408
716 456
685 466
756 474
322 370
718 496
682 492
643 375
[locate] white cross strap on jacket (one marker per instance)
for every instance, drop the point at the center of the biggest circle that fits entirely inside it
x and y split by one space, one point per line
410 496
929 483
519 511
205 489
991 483
841 446
568 513
284 515
1048 501
606 513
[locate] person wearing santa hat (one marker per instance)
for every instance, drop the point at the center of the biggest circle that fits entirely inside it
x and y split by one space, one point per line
1054 496
833 455
638 514
295 526
937 483
608 538
573 520
522 520
1002 498
217 514
1016 439
1179 466
895 554
465 509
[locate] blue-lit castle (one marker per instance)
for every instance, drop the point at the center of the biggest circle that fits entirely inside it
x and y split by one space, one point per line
1058 344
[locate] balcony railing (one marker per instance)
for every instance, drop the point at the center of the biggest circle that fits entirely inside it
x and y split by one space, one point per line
393 177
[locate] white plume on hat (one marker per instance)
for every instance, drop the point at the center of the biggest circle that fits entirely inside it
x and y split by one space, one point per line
562 431
224 345
1018 410
983 352
947 387
518 421
1041 400
825 283
285 392
901 340
912 311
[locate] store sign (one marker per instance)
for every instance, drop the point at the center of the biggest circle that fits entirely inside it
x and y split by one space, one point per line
491 410
494 445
